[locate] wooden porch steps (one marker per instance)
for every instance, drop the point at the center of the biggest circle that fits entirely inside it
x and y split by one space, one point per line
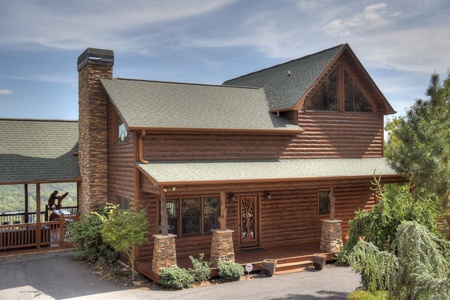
293 265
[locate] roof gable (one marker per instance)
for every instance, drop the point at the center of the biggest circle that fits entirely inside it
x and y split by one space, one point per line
38 151
287 85
173 106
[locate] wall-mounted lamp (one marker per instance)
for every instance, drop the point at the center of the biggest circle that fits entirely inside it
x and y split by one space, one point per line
232 197
166 189
268 195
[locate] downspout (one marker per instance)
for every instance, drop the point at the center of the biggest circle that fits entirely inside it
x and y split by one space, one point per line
141 148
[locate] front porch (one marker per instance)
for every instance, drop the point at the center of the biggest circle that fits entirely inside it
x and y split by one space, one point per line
290 258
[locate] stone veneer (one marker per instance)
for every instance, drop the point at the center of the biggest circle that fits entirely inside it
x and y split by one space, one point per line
221 246
164 252
331 240
92 148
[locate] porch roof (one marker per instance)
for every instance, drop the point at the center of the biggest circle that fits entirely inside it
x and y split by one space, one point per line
208 172
33 151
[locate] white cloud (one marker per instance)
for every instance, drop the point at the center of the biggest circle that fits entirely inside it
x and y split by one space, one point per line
6 92
373 16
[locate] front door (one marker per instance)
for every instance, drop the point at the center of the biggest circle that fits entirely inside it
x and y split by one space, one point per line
249 225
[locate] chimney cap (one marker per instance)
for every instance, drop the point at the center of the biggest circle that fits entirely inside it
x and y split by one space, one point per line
95 56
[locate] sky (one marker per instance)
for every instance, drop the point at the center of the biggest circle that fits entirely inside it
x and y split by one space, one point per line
400 43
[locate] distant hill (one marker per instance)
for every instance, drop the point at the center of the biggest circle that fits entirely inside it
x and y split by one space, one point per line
12 197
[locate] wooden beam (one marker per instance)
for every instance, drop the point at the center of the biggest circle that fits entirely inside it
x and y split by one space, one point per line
164 217
223 212
332 203
38 215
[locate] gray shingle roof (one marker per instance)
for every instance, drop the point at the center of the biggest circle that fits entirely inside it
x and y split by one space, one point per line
38 151
170 173
285 91
154 104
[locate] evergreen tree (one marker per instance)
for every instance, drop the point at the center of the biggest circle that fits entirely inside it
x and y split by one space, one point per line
418 142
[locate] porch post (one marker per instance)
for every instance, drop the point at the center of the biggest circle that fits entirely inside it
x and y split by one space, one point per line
222 247
164 221
223 212
331 240
164 249
26 202
38 215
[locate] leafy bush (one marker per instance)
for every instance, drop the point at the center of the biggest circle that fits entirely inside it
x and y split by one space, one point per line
176 278
201 271
124 230
230 271
86 236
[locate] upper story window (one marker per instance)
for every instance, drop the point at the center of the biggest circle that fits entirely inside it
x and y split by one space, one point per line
354 98
326 96
339 92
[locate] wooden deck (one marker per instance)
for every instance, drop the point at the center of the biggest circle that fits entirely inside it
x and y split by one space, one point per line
255 256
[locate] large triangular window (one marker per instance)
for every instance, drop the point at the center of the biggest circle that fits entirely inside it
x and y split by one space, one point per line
339 92
326 96
354 98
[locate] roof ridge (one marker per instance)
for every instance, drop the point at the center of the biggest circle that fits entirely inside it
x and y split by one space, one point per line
284 63
185 83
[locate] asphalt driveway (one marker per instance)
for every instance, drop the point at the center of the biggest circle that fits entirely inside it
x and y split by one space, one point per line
59 276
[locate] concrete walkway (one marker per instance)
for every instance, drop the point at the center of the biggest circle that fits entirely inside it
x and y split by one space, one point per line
59 276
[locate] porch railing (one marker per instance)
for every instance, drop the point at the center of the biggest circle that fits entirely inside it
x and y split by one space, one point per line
20 217
35 235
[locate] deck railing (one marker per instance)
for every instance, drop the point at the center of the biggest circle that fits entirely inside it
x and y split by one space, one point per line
35 235
21 217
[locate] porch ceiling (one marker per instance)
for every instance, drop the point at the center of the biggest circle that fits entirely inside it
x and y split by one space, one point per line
208 172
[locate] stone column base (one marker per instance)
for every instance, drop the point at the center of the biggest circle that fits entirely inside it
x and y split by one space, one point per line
164 252
331 240
222 247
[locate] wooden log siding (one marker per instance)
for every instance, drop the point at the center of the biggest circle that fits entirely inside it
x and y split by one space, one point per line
291 216
326 135
185 146
337 135
121 164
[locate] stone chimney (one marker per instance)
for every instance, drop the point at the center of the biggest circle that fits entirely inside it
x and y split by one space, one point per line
93 64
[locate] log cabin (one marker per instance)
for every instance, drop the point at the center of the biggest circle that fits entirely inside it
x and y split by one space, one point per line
280 157
271 164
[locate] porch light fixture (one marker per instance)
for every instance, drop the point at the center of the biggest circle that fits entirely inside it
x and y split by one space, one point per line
268 196
232 197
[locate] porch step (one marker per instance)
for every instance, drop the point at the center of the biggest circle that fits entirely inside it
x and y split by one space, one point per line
292 266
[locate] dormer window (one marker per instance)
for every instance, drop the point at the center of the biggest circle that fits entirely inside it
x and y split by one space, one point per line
339 92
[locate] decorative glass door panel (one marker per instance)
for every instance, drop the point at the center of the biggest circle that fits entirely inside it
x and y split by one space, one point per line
249 221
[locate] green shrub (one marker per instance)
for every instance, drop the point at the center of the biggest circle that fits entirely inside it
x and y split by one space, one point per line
365 295
230 271
176 278
86 236
201 271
